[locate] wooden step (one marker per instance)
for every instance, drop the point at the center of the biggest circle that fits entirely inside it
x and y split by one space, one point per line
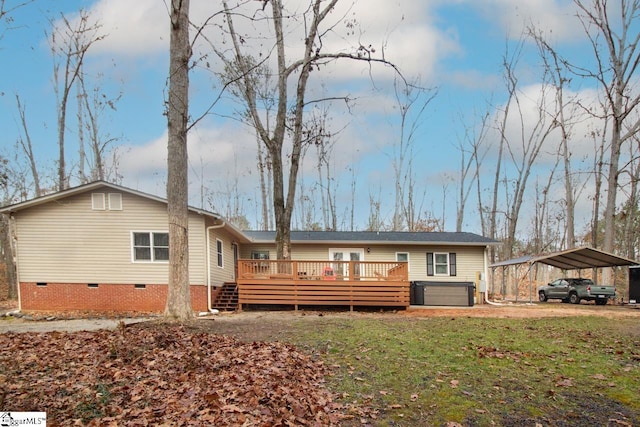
227 298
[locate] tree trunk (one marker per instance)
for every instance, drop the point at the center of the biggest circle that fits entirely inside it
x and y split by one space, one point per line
179 297
28 148
7 252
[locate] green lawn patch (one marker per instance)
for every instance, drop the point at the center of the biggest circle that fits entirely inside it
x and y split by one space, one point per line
479 371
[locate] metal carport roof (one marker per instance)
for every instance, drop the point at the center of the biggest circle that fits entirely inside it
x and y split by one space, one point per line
572 259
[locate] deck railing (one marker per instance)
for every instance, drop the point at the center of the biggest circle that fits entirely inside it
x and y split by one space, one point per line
352 283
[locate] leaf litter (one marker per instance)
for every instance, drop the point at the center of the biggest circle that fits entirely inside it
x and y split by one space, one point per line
165 375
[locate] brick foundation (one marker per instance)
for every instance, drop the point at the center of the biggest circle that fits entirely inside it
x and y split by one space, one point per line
102 297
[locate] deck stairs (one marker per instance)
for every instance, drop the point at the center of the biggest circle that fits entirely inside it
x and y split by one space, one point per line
227 297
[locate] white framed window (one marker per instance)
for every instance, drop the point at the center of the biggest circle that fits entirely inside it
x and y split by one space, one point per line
115 201
98 202
441 264
149 246
403 257
220 253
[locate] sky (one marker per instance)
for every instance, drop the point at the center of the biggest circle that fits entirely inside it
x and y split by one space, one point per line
453 47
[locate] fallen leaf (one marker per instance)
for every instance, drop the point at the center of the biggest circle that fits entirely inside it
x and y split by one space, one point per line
567 382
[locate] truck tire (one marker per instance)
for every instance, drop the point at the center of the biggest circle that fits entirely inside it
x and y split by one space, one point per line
574 298
542 296
601 301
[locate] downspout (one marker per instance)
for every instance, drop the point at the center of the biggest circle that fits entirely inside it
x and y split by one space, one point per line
211 227
14 242
486 275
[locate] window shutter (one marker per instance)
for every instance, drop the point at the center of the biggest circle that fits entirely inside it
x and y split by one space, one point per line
452 264
429 263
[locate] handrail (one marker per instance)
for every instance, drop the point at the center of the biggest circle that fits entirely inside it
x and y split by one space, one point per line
322 270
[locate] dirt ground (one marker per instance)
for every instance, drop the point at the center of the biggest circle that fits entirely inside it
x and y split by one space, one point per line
271 324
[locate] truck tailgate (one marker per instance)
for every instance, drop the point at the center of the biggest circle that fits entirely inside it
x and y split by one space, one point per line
602 291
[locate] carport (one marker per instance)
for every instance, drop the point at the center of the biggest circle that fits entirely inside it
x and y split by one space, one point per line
570 259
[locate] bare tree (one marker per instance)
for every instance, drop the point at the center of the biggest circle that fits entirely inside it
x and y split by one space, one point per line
630 213
564 112
509 63
178 305
27 148
544 239
69 43
617 55
473 145
93 104
289 110
317 135
6 240
376 221
523 150
599 145
260 77
523 158
411 101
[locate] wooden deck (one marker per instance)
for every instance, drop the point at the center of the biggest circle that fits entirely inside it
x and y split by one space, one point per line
332 283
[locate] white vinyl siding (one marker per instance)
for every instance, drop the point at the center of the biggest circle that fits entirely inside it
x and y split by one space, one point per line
67 241
219 275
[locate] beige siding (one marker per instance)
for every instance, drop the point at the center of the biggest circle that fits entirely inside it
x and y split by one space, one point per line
226 273
469 260
66 241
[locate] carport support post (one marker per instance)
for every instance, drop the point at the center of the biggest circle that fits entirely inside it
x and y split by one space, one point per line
530 283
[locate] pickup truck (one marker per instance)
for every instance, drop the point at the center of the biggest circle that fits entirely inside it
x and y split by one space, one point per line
574 290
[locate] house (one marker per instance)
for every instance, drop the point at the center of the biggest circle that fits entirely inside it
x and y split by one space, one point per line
104 247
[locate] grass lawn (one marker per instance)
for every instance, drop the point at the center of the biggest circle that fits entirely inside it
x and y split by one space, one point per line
482 371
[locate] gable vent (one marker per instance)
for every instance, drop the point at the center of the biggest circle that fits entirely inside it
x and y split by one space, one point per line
115 201
98 202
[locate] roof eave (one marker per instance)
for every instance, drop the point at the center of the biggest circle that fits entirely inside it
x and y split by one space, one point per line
379 242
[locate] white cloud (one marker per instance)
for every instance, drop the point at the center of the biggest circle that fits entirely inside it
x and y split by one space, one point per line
556 18
132 27
404 30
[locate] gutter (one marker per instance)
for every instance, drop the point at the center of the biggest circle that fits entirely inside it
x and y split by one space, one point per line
211 227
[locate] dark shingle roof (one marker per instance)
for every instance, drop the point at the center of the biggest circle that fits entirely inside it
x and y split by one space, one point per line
376 237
